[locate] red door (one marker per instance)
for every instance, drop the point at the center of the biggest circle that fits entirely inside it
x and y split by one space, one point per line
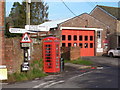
87 42
81 38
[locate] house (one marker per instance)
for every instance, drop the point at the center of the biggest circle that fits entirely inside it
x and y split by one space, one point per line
110 17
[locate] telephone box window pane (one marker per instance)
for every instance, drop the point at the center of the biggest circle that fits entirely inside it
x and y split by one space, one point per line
48 54
75 37
80 44
91 38
48 45
57 45
63 45
69 37
91 45
48 57
86 45
48 60
63 37
48 48
69 44
47 51
86 38
80 38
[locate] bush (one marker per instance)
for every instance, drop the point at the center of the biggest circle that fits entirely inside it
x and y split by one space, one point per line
35 72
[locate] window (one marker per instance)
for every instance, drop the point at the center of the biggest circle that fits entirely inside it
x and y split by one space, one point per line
48 60
75 37
63 45
75 44
118 48
69 37
86 38
86 45
48 52
48 57
69 44
91 45
63 37
48 48
80 44
80 38
98 34
48 45
91 38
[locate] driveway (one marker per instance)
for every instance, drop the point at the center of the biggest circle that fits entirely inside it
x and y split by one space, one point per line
104 60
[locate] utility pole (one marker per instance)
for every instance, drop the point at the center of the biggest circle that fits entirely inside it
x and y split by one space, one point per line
28 12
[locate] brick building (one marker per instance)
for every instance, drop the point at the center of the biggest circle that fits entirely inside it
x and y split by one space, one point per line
2 29
81 32
110 17
95 33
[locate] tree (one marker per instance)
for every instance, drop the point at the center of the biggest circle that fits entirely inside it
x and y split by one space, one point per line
17 16
39 12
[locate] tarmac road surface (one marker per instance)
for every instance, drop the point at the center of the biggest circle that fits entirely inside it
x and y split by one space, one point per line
106 76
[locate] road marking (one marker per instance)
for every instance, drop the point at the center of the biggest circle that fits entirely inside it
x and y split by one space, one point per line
85 73
34 81
42 84
3 83
81 75
53 84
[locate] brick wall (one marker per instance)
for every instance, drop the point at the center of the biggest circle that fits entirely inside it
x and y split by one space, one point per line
111 25
36 52
70 53
13 54
2 32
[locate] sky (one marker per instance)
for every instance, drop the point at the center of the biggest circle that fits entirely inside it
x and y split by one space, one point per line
57 10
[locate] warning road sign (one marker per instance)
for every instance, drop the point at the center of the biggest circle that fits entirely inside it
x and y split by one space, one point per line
26 39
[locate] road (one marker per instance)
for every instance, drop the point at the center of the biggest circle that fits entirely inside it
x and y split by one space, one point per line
107 76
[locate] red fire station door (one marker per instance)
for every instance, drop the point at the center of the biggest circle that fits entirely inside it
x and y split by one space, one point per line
51 54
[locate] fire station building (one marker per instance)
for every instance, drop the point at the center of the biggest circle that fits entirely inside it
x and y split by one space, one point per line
93 33
79 32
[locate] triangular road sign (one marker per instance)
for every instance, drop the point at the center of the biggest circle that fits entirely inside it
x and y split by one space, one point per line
26 39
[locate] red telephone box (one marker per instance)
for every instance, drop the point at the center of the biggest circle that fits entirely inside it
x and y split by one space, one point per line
51 54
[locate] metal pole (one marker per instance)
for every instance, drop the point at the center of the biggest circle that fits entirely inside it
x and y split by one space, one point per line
27 12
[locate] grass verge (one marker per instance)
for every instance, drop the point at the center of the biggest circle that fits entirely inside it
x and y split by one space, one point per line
79 61
34 72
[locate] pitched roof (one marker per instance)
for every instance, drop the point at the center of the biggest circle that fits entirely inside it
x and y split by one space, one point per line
54 23
114 11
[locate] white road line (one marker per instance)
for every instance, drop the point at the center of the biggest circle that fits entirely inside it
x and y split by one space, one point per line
34 81
3 83
80 75
53 84
37 86
85 74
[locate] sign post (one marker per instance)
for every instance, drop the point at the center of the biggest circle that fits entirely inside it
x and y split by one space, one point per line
25 44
